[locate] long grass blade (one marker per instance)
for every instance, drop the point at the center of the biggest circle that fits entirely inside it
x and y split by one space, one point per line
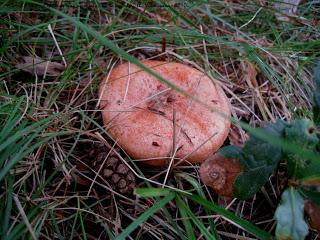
144 216
251 228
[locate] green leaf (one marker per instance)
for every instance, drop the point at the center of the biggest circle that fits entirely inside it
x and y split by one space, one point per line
260 159
302 132
231 151
249 183
289 216
259 153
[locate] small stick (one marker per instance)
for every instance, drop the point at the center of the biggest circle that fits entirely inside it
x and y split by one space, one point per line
57 45
174 150
128 82
100 168
24 217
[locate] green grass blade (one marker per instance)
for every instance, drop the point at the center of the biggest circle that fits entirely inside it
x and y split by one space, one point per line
151 192
195 220
24 151
197 186
144 216
251 228
83 230
21 228
20 134
156 193
11 121
186 222
6 216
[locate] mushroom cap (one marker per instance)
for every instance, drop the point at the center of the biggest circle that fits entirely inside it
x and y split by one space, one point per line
138 112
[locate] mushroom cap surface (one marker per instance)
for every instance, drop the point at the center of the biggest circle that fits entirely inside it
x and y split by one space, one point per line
138 112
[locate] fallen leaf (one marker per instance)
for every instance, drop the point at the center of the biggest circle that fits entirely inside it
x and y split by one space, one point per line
37 66
286 9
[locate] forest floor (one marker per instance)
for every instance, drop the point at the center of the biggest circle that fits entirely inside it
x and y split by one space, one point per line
53 57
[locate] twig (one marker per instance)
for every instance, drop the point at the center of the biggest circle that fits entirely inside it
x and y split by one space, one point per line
57 45
128 82
24 217
174 150
254 16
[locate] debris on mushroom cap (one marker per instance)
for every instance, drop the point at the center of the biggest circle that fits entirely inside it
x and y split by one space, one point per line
138 109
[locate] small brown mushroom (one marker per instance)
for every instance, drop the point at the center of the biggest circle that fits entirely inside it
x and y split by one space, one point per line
313 212
219 173
138 111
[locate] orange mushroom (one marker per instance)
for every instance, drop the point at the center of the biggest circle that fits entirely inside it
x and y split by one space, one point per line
138 111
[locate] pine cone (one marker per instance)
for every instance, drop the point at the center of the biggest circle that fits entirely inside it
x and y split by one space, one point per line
114 171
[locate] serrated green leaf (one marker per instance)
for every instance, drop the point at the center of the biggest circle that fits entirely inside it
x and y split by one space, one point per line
289 216
248 183
259 153
260 159
302 132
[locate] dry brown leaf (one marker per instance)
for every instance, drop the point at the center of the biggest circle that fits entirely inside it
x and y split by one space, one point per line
37 66
286 9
